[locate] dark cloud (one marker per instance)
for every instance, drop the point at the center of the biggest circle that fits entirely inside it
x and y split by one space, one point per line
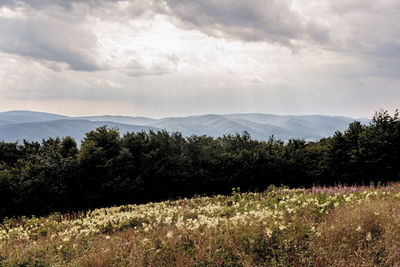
102 8
44 4
50 39
257 20
7 3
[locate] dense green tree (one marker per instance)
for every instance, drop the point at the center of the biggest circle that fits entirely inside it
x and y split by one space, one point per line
68 147
379 148
9 153
97 159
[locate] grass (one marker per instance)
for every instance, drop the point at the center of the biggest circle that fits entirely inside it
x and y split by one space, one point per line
332 226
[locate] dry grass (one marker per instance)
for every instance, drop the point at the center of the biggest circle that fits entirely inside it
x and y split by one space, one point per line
361 234
279 227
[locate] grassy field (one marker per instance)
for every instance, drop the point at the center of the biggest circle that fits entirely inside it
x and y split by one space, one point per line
333 226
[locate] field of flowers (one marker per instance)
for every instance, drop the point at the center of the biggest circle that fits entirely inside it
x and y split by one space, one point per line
329 226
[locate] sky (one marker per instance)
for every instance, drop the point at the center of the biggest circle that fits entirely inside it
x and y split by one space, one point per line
160 58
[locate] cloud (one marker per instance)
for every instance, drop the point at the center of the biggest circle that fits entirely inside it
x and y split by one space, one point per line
67 34
60 33
146 71
368 29
158 64
44 4
105 9
257 20
104 83
49 37
40 39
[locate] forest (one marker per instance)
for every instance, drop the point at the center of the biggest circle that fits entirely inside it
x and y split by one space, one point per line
109 169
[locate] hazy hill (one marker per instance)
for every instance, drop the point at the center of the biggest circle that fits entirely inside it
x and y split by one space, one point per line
4 122
218 125
18 116
19 125
317 124
120 119
36 131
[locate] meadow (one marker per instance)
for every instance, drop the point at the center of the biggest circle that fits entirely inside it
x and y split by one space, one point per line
319 226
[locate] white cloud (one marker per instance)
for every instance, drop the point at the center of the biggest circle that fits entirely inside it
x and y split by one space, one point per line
9 13
104 83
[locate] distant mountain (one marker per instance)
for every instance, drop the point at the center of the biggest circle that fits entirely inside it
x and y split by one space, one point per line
19 125
319 125
120 119
4 122
18 116
36 131
218 125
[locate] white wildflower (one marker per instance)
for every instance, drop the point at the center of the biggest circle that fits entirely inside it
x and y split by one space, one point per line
368 237
169 234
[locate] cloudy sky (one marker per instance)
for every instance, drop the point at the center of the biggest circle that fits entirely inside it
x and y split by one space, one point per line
178 57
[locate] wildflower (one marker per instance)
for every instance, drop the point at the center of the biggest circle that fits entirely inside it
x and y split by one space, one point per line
108 237
268 232
358 229
169 234
368 237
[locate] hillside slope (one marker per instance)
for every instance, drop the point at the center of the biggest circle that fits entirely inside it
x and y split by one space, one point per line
278 227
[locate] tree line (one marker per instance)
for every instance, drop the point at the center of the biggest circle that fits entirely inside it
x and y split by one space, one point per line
107 169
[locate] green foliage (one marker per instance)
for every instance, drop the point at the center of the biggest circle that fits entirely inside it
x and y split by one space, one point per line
68 147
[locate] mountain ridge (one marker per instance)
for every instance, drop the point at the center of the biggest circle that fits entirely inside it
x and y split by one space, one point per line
35 126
